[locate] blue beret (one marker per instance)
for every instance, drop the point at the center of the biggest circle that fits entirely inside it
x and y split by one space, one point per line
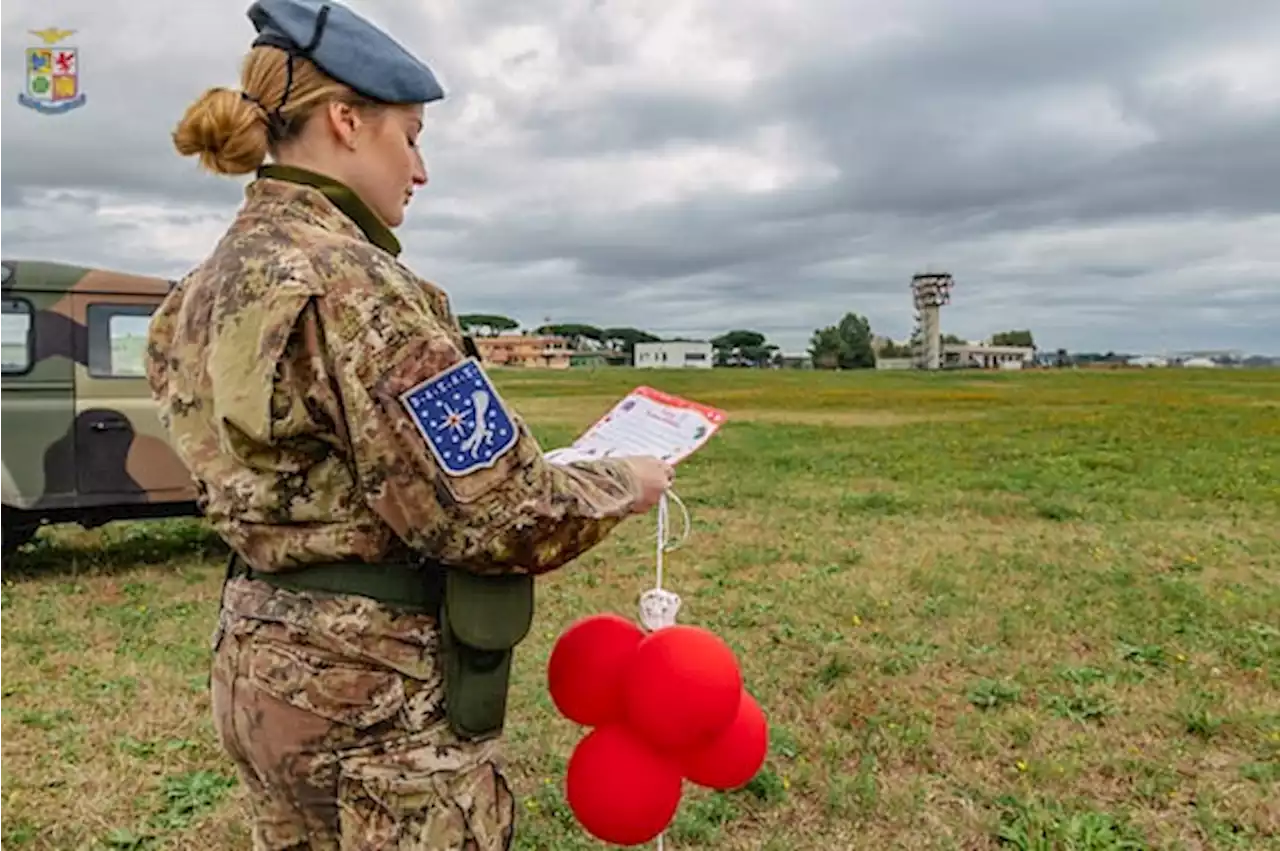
346 47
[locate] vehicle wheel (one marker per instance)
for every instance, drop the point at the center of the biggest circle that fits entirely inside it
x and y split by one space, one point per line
16 534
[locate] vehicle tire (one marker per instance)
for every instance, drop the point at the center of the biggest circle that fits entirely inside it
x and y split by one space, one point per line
16 533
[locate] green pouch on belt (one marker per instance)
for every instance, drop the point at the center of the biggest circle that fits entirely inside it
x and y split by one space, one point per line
482 620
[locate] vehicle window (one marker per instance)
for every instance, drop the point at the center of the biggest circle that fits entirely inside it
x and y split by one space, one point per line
17 337
118 339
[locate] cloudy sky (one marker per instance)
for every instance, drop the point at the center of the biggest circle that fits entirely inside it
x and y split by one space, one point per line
1105 173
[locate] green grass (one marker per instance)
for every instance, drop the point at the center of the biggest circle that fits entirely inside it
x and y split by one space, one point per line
1034 611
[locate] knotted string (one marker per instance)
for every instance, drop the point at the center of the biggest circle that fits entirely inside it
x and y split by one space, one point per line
658 606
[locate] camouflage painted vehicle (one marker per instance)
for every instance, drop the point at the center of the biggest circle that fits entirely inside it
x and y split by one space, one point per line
82 440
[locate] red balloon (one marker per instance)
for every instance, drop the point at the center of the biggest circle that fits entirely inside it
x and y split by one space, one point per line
682 688
584 673
621 790
733 757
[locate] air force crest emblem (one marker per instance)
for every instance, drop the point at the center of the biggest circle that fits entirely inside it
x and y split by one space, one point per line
53 74
461 417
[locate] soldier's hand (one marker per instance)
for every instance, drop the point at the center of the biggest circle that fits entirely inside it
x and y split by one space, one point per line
655 476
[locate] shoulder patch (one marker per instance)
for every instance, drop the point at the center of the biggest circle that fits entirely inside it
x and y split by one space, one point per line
461 418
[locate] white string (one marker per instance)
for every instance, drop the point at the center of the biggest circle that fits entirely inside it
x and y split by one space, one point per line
658 606
665 545
662 604
661 536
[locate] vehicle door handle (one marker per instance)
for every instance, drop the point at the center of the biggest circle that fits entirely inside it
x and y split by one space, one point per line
110 425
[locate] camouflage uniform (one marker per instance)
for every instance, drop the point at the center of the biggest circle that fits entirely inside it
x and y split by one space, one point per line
278 364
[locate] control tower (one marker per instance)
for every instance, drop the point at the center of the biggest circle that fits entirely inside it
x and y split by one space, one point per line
930 292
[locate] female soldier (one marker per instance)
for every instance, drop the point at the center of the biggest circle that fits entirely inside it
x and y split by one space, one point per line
358 463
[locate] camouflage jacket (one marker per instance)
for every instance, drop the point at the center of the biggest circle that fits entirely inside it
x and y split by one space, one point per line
279 365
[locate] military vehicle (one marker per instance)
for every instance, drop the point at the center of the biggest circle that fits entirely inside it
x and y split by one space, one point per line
83 441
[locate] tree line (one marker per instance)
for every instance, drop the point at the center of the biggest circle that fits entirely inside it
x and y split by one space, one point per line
734 348
849 344
621 341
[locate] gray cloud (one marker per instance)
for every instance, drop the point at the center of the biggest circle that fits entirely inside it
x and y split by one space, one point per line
1103 173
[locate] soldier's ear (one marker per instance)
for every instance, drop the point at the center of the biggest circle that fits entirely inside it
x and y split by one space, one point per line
345 122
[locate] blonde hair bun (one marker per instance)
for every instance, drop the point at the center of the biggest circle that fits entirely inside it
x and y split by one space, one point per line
227 131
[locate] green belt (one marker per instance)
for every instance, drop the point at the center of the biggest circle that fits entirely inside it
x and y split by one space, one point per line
415 588
482 619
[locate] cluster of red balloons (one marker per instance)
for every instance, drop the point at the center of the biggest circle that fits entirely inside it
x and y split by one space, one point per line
665 706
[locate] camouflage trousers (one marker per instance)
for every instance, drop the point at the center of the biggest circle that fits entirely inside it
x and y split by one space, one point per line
341 753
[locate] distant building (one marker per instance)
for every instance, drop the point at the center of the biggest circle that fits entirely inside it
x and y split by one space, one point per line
589 359
1218 356
970 356
674 354
521 350
982 356
795 362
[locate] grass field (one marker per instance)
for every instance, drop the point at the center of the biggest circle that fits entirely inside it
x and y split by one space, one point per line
1039 611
